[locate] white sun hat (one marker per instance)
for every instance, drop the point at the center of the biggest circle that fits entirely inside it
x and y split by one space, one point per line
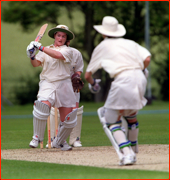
110 27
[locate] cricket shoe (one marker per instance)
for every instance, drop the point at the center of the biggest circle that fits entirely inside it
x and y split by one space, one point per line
128 160
63 147
34 143
77 144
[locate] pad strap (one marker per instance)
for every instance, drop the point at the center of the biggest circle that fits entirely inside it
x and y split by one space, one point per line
133 125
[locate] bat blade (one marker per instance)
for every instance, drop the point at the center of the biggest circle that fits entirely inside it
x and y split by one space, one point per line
41 32
39 36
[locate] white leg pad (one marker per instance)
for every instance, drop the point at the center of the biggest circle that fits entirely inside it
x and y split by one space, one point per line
66 127
113 142
76 132
40 114
41 110
108 132
39 129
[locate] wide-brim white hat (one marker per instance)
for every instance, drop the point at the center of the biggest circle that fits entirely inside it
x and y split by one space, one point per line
110 27
61 28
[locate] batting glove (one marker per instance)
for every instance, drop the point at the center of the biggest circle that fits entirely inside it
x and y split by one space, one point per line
31 50
38 46
95 87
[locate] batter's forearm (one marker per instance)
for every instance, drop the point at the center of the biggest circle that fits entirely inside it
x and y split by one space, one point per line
53 53
35 62
89 78
50 52
79 72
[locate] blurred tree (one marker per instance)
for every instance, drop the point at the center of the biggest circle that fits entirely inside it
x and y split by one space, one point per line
131 14
162 76
27 91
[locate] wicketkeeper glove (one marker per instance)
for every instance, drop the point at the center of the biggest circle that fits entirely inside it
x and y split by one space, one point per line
77 83
95 87
31 50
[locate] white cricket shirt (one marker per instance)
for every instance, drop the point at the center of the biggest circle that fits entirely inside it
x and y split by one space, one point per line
115 55
55 69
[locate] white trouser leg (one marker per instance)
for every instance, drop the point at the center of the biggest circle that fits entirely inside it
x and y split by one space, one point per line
133 130
76 132
133 136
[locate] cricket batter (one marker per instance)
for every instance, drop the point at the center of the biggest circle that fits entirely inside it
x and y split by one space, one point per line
125 61
55 87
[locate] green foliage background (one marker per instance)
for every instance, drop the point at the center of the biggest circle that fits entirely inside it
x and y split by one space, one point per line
80 17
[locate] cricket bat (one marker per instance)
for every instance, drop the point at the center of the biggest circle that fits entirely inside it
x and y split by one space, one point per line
39 35
41 32
49 132
41 144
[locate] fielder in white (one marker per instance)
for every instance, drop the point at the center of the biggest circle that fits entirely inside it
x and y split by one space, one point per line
124 60
55 86
74 140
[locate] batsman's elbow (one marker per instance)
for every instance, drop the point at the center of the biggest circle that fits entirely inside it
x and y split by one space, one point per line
147 61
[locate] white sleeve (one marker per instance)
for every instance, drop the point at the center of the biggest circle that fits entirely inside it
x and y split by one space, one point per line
143 52
67 53
96 59
79 62
40 56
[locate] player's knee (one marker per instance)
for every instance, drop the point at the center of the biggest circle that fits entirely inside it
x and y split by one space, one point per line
132 122
132 119
112 116
41 110
132 126
71 119
114 126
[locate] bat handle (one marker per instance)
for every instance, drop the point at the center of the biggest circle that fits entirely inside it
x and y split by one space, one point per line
38 38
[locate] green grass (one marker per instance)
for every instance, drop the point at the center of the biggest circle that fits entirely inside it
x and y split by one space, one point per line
22 169
154 128
16 134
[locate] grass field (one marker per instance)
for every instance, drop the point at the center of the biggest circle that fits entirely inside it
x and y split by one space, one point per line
16 133
36 170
